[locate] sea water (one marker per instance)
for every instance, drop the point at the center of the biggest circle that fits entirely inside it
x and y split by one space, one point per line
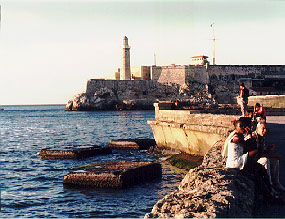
31 187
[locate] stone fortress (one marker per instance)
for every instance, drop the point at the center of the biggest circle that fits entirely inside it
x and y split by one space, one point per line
138 87
261 79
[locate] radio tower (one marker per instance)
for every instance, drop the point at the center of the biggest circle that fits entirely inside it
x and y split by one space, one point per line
214 40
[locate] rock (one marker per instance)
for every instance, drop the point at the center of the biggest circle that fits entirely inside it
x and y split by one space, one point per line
71 152
114 175
208 191
135 95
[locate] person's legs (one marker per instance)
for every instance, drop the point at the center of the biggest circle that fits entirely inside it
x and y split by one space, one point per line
242 107
245 108
274 169
264 161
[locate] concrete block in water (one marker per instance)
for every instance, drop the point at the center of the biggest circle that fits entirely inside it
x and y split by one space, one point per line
115 175
70 152
134 144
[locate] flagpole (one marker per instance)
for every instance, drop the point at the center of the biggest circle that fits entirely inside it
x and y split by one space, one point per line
214 40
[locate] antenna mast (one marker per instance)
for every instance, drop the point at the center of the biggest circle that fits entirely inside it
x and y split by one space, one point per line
214 41
154 57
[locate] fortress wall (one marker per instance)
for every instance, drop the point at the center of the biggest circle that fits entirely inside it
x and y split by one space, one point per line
140 86
172 74
254 70
179 74
197 73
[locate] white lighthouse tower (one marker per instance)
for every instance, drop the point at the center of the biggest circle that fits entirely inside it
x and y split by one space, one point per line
125 73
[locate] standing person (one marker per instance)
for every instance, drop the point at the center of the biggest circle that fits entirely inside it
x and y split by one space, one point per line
243 95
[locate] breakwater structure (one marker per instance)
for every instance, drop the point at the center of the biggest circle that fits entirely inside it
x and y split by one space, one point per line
116 175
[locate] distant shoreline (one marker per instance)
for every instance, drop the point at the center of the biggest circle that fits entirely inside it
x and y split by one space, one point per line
60 104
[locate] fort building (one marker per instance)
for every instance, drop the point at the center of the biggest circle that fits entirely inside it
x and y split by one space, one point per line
200 60
261 79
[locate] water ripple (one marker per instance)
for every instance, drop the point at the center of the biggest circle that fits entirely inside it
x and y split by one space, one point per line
31 187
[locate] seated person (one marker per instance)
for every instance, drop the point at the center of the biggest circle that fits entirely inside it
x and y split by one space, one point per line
267 159
246 121
246 160
236 158
259 112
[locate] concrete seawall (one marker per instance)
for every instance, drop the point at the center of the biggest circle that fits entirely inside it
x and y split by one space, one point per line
273 101
188 132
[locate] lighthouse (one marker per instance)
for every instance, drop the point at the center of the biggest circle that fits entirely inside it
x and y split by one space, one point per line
125 73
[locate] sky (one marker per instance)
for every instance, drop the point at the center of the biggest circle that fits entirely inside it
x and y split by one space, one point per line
50 48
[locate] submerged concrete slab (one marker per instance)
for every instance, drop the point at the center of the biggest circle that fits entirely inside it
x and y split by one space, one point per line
134 144
71 152
115 175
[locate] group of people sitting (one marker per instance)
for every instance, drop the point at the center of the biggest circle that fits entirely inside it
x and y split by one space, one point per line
246 150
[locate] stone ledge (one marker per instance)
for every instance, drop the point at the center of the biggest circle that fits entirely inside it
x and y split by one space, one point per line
113 175
70 152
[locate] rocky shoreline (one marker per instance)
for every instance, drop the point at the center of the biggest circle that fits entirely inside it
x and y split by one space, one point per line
135 95
209 190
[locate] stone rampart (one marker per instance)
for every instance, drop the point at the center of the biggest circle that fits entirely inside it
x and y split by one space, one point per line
173 74
251 70
197 73
223 80
141 87
189 132
180 74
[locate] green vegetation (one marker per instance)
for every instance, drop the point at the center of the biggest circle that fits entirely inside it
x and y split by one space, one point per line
185 162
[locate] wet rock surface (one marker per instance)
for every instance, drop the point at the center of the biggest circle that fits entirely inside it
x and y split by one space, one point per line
115 175
70 152
209 190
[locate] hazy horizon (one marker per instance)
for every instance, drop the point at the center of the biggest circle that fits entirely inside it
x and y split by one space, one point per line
49 49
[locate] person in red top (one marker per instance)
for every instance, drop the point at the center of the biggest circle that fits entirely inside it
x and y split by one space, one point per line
259 112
